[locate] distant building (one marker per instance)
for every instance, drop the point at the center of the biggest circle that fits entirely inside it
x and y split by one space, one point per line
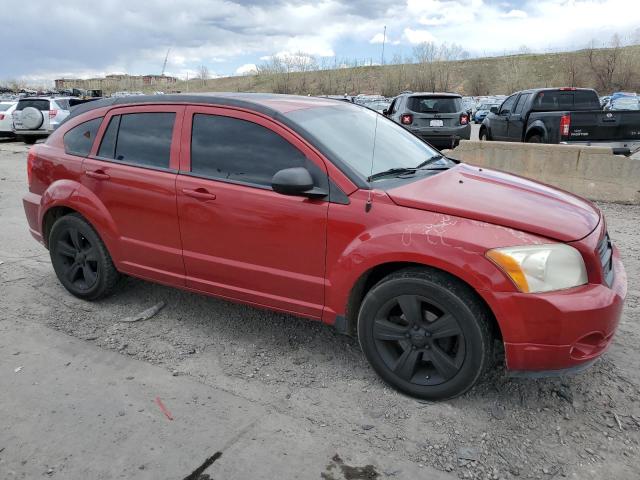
114 82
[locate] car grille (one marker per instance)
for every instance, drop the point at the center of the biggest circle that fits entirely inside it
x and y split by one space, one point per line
605 252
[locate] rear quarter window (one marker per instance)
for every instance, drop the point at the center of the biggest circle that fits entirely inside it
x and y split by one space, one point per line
431 104
62 103
79 140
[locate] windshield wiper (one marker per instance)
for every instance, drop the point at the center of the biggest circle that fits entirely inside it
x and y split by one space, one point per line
430 160
391 171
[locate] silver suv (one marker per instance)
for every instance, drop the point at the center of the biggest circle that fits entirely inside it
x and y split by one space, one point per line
438 118
37 117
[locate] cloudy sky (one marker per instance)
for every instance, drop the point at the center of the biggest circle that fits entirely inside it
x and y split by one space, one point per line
79 39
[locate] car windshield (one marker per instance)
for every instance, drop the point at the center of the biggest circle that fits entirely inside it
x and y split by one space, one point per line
433 104
347 133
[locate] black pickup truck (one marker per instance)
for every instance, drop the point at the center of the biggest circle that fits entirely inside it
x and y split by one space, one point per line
562 115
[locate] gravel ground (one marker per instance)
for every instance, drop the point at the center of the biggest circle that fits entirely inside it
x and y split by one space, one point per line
586 426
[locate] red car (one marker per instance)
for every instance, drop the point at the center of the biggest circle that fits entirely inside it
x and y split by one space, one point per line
328 210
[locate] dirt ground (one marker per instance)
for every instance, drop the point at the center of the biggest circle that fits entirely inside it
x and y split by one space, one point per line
583 427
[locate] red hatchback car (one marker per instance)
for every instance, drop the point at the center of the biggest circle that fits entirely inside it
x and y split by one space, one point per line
330 211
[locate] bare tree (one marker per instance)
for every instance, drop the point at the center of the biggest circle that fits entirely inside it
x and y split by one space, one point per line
203 74
574 71
604 63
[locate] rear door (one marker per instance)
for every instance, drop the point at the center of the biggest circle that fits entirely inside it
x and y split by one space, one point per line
132 170
241 239
433 111
500 121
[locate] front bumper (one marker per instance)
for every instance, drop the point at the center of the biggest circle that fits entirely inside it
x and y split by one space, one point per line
559 332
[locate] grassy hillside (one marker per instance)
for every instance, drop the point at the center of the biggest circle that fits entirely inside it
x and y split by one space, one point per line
603 69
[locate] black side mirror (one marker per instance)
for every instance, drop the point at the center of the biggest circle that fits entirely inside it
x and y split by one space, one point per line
494 110
385 112
296 181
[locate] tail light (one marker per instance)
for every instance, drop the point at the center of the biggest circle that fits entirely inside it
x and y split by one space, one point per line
31 157
565 123
406 119
2 116
464 119
570 89
53 113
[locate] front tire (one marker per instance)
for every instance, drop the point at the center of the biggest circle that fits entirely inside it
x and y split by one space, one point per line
80 259
484 136
425 333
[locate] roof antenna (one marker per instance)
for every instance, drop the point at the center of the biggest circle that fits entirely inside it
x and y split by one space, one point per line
369 203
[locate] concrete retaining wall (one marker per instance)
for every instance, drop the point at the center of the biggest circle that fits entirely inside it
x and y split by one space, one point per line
591 172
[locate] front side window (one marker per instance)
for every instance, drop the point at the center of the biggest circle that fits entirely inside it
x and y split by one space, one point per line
139 139
79 140
507 105
233 149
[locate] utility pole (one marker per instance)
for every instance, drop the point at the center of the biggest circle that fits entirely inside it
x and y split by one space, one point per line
384 38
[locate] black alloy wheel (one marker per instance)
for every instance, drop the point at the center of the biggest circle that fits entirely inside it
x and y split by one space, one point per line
80 259
425 333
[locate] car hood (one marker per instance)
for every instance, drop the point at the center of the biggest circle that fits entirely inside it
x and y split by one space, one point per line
503 199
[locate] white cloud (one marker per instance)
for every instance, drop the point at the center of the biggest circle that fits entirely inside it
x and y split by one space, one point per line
514 14
415 37
377 38
247 69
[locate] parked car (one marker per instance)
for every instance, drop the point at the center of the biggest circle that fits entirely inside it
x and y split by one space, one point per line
378 105
624 103
6 121
37 117
561 115
482 111
327 210
438 118
468 104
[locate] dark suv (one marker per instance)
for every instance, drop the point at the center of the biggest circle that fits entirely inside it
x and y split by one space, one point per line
438 118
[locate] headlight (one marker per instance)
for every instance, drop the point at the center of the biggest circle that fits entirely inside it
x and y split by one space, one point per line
541 268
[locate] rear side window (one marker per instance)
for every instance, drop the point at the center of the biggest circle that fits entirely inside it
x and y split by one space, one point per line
521 101
139 139
79 140
234 149
63 103
39 103
433 104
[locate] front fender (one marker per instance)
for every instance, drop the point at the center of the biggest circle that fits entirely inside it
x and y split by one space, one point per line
452 244
73 195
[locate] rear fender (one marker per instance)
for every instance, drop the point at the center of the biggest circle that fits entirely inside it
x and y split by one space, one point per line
73 195
536 127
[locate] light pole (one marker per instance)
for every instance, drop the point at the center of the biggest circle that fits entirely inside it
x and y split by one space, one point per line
384 38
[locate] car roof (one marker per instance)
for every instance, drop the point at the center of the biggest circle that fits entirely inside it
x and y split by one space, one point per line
268 103
433 94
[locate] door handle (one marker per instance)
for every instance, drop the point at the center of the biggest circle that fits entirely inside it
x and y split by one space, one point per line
97 174
199 193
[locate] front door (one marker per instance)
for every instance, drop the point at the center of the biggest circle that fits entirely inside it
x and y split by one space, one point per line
500 121
132 171
241 239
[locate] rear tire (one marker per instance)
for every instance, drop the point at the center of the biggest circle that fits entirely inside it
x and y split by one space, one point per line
80 259
425 333
29 140
534 139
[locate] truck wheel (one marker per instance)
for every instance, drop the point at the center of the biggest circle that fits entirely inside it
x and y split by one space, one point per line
534 139
80 259
425 333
